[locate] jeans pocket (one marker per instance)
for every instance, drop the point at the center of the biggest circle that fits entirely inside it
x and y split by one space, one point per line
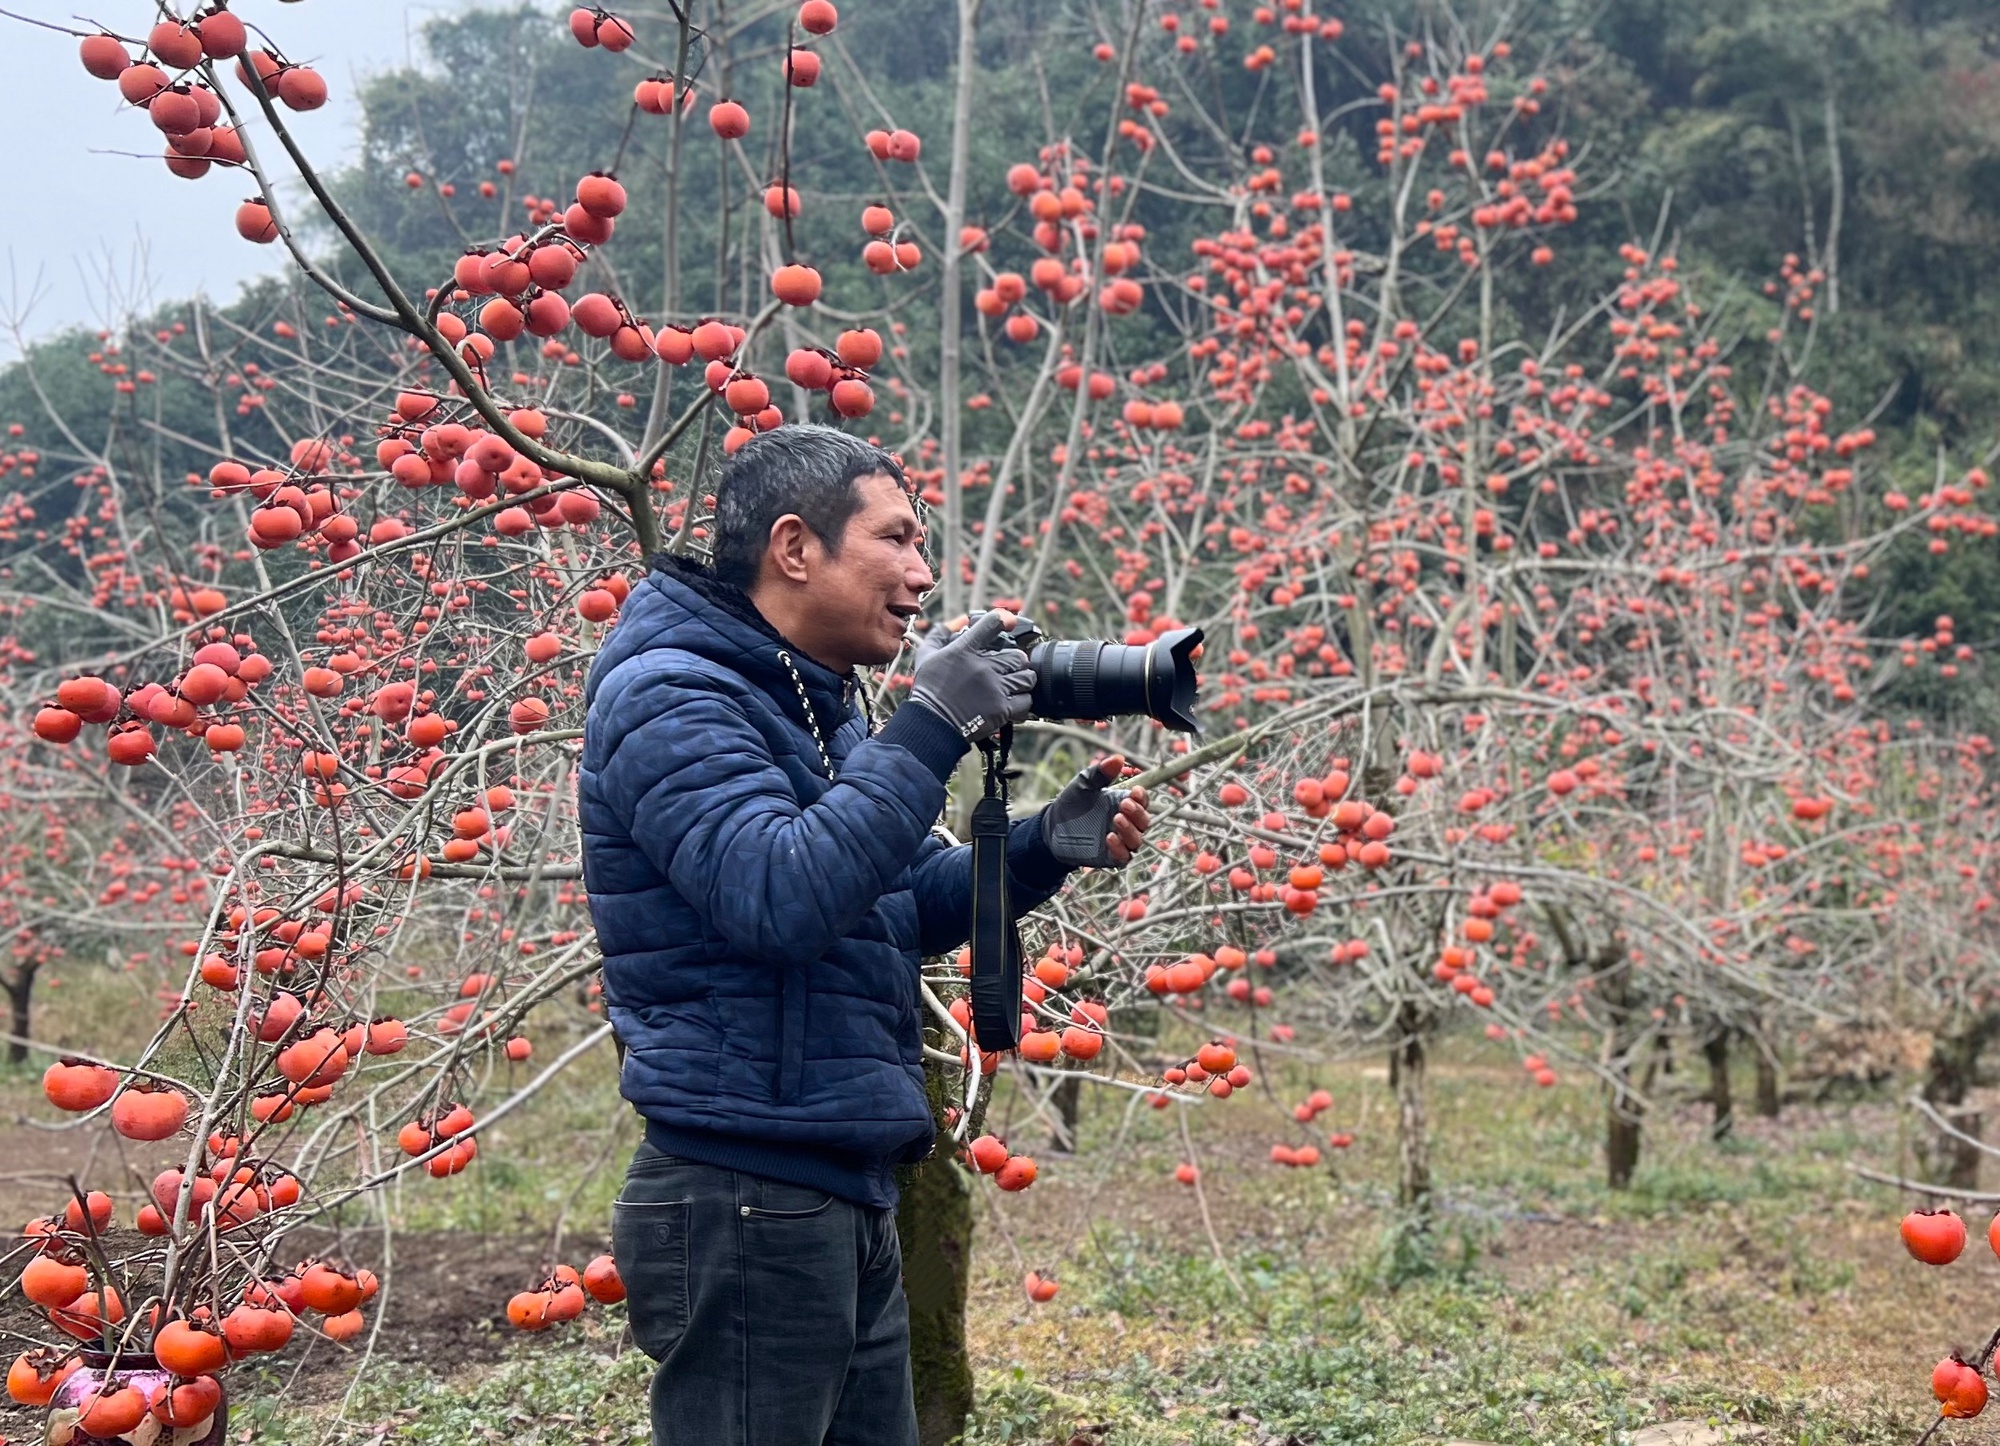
649 1240
777 1200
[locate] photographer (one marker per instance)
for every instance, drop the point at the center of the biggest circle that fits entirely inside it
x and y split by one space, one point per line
764 881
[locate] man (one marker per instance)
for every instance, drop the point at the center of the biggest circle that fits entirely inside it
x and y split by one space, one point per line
765 881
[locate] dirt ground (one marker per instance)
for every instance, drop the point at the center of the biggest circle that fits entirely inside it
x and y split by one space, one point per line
443 1309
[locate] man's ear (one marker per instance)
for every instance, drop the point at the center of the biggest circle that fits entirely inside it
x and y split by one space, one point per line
794 548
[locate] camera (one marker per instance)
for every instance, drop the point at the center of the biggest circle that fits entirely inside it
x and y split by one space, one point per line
1092 679
1084 679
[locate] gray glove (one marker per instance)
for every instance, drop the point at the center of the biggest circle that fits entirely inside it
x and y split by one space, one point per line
976 681
1076 825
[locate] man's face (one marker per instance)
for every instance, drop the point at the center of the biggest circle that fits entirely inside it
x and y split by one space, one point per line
865 594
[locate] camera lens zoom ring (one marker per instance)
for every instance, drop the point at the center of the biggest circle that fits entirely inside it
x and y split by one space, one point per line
1082 670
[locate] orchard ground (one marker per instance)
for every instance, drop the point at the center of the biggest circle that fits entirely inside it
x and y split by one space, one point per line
1757 1281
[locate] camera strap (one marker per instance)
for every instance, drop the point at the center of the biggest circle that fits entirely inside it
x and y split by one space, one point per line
996 942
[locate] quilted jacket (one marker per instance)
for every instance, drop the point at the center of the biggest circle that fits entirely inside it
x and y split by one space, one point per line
762 924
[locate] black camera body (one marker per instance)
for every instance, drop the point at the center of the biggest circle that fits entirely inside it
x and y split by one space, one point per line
1083 679
1093 679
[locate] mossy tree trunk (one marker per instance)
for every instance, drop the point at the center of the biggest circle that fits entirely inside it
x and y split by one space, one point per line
1715 1049
934 1223
1765 1053
1628 1025
1625 1109
1067 1098
1621 1139
1954 1064
1406 1079
19 982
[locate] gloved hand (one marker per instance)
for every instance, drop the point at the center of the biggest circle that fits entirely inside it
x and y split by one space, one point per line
1093 825
976 681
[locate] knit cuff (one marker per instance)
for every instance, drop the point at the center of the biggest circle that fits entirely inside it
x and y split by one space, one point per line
1030 862
924 732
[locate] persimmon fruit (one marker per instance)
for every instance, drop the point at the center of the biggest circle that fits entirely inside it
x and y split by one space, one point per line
1936 1237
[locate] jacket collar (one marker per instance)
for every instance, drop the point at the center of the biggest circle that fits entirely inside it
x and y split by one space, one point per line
697 611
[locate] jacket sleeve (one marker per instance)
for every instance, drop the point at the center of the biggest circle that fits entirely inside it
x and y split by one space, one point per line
941 879
696 786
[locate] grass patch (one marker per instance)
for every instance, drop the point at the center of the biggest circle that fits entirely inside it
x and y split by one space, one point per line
1756 1280
583 1387
1310 1353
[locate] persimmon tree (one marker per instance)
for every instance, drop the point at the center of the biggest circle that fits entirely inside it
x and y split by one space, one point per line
1538 682
1445 521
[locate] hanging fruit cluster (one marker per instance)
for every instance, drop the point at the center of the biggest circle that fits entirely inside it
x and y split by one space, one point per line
173 80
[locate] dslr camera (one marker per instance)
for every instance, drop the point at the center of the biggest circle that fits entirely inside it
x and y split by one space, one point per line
1093 679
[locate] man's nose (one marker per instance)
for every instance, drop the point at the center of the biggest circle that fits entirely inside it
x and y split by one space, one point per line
919 576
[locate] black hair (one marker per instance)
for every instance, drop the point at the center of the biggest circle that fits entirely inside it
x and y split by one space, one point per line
806 470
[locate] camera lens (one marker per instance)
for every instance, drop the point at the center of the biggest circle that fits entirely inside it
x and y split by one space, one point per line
1094 679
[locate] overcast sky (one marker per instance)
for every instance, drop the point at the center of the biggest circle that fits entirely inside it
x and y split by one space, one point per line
100 229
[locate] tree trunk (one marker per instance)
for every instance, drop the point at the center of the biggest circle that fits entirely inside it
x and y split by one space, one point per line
1621 1142
1406 1078
1954 1063
1961 1157
1624 1109
1068 1095
1830 258
950 329
934 1223
1715 1049
19 983
1766 1056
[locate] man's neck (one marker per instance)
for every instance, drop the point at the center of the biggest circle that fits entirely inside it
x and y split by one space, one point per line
786 613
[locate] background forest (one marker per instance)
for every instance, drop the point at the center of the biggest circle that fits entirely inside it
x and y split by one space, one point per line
1860 136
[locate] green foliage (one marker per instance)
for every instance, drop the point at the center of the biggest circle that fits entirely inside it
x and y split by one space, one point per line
1013 1408
1418 1247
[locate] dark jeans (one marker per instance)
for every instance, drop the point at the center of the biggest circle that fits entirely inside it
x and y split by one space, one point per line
776 1311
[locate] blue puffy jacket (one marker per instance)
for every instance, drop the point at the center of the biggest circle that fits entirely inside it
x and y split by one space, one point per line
761 926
